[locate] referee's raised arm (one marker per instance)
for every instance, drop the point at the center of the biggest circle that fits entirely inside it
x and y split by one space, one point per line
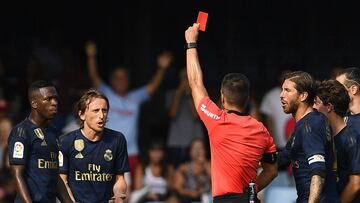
193 67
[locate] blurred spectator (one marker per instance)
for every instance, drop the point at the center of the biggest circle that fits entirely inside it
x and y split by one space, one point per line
153 175
192 179
275 117
185 124
9 97
5 129
7 182
125 106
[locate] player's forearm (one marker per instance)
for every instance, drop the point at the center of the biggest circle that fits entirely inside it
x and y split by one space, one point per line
22 189
119 189
93 71
156 80
66 184
63 192
316 186
21 186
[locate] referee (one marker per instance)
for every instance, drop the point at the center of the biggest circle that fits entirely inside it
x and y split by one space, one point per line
238 142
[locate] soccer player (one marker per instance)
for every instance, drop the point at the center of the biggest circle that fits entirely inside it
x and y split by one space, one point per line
350 78
332 100
93 159
238 142
309 149
33 149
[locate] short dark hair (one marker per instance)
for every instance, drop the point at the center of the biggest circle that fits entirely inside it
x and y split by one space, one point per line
85 100
236 89
35 86
303 83
352 76
333 92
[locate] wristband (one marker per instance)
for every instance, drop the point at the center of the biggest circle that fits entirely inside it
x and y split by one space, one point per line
190 45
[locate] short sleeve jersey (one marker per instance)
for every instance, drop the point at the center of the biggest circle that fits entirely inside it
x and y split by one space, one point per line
92 166
309 149
124 113
37 149
347 143
238 143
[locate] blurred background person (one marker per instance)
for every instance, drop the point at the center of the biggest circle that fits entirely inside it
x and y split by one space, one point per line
192 180
7 181
125 105
185 124
153 175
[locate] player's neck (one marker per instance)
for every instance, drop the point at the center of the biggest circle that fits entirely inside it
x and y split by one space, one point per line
355 105
37 119
302 111
90 134
336 122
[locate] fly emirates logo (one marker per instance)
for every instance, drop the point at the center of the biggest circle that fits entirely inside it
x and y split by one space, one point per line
208 113
93 174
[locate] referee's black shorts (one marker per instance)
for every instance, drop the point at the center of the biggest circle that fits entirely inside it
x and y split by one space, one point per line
232 198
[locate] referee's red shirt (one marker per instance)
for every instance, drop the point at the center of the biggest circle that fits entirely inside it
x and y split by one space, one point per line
237 145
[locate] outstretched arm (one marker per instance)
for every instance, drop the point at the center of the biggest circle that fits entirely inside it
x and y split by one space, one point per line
22 189
164 60
91 51
193 67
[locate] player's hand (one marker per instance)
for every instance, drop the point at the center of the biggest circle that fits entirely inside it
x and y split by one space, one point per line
164 59
90 48
192 33
118 199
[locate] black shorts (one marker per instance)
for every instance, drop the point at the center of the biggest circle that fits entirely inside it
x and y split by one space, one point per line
232 198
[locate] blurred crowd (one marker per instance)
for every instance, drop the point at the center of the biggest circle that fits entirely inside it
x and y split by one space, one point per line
167 143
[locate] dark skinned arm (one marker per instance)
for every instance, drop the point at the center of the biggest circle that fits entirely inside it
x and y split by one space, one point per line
21 187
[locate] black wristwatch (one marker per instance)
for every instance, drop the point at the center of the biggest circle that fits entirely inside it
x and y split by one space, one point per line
190 45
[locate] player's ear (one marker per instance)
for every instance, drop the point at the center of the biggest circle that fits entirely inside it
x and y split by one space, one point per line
303 96
33 103
329 108
354 89
81 115
222 98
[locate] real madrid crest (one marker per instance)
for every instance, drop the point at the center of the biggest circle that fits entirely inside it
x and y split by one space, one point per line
39 133
79 146
108 155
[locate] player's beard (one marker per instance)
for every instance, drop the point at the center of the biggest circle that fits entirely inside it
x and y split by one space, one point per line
293 107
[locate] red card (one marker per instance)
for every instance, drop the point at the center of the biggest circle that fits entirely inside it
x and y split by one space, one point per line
202 18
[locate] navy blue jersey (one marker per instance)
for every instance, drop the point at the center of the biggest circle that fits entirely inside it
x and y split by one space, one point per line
353 119
37 149
309 150
347 143
92 166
